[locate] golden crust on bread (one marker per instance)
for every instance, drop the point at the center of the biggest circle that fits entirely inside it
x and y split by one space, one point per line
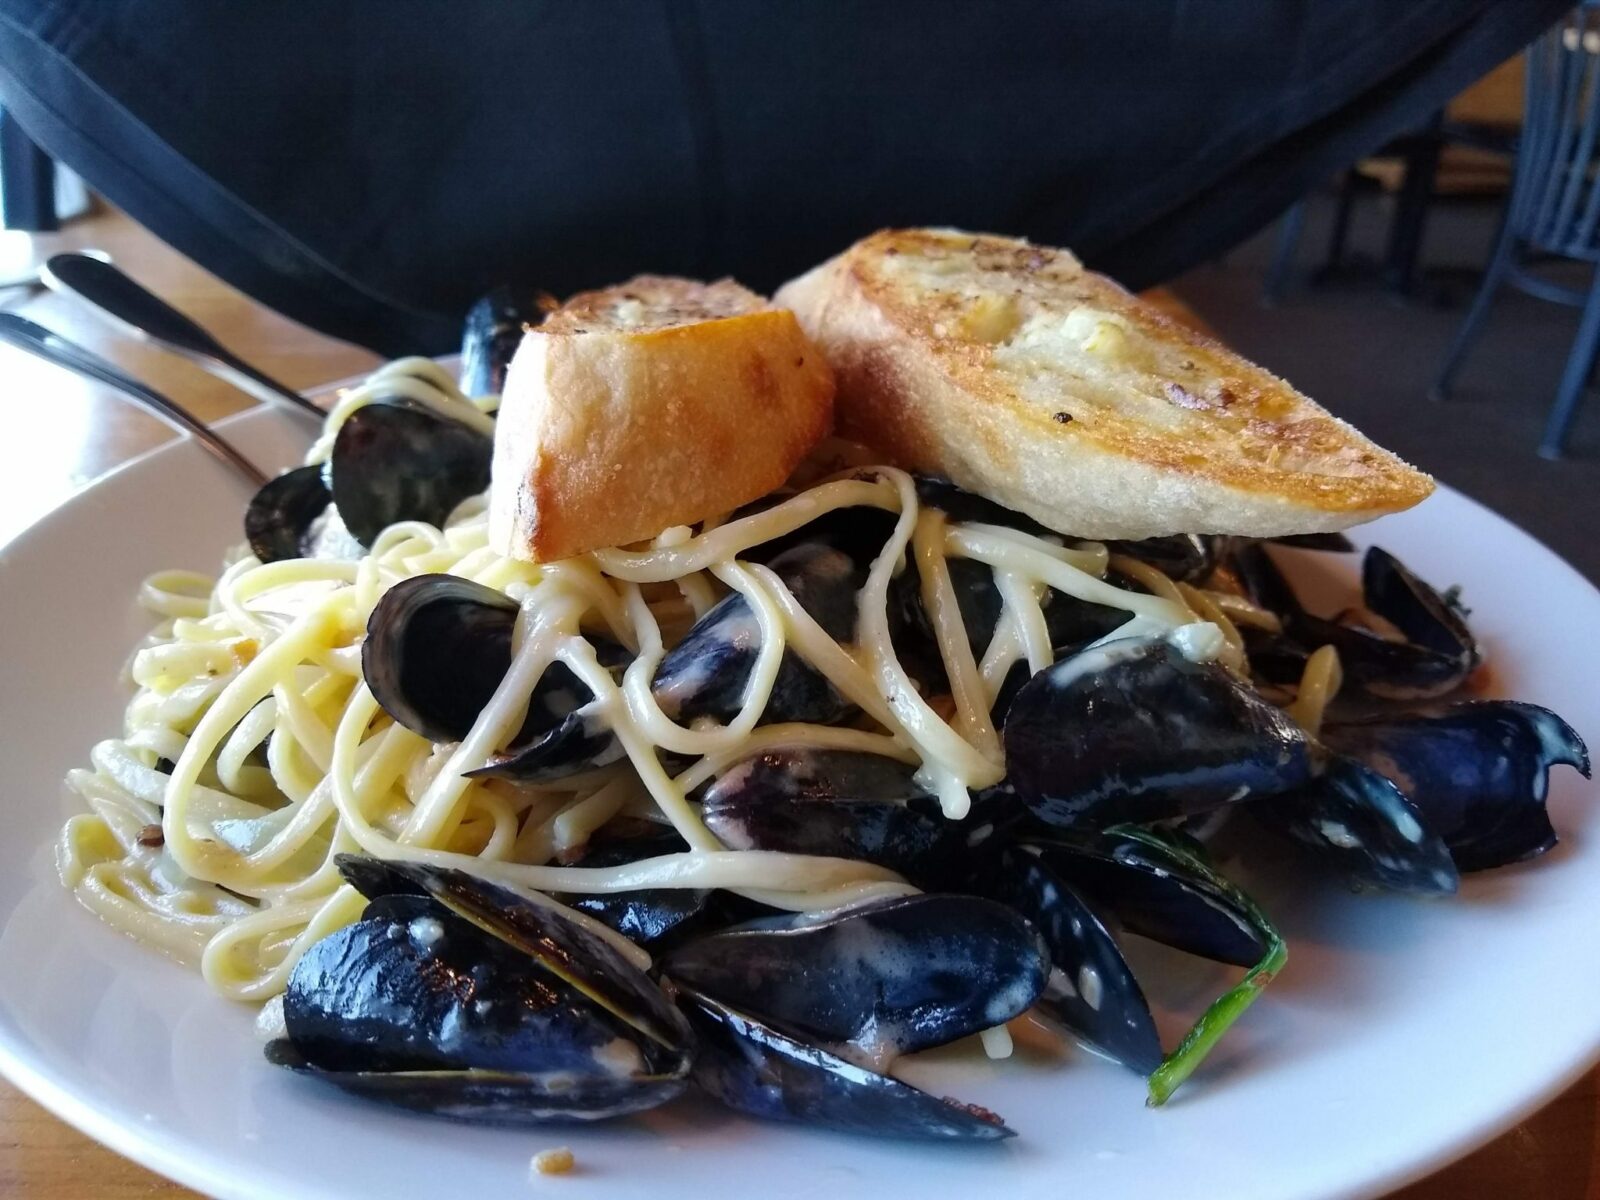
656 403
1019 374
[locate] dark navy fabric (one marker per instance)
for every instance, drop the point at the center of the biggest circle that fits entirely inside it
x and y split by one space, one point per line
370 166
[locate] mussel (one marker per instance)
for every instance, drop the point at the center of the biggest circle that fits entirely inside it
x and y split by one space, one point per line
436 649
1363 826
845 804
877 981
391 461
1150 896
1425 652
458 997
754 1068
394 462
705 674
648 916
1131 730
1476 773
1091 989
491 334
281 518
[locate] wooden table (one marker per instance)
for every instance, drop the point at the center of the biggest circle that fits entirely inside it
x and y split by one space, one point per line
84 431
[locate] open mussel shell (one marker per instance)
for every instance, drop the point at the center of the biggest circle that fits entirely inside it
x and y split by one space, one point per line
1362 826
878 981
754 1068
844 804
1433 657
437 648
1155 897
462 999
649 916
563 948
280 521
1091 989
1131 730
491 334
395 462
1478 773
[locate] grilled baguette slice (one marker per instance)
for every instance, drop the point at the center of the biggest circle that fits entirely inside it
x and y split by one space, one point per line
655 403
1020 375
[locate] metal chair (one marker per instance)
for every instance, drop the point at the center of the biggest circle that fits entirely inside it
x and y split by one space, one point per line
1553 210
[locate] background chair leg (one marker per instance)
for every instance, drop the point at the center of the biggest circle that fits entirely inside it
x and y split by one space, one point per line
1579 362
1339 232
1472 325
1283 254
1411 209
27 181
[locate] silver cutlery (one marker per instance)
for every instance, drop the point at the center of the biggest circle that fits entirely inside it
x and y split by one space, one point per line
142 313
52 347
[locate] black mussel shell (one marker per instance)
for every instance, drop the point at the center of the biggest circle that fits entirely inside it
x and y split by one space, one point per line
1437 655
1155 897
844 804
1362 825
961 505
491 1097
1131 730
437 647
705 674
400 462
580 740
562 947
648 916
491 334
1188 557
1478 773
279 521
878 981
432 1002
1091 990
753 1068
860 531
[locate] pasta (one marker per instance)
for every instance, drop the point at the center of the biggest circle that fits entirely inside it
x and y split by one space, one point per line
253 751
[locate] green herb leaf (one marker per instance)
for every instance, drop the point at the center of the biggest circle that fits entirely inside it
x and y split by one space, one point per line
1187 855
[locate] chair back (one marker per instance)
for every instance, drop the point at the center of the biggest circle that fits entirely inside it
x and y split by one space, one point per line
1555 198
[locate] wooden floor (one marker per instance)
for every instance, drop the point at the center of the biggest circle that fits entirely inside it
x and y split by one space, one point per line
72 432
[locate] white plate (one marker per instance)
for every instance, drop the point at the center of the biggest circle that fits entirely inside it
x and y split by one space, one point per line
1402 1034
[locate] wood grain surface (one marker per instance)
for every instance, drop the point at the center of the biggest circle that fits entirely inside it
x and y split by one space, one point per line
78 431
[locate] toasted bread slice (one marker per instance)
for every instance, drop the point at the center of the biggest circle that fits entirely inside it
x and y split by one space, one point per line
655 403
1020 375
